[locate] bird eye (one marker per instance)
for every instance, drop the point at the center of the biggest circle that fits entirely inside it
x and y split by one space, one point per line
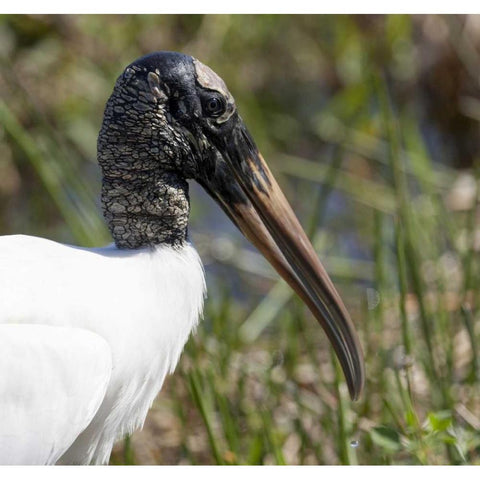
214 106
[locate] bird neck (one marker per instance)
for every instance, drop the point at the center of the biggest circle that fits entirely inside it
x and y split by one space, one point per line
145 209
145 200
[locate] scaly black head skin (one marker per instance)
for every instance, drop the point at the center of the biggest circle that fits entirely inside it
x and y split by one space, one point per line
170 118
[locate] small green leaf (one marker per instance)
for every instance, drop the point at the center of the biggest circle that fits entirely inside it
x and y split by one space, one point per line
440 421
386 437
449 439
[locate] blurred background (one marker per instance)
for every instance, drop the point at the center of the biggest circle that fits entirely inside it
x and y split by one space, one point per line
371 126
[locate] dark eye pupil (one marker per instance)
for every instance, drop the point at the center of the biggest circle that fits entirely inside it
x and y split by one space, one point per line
214 106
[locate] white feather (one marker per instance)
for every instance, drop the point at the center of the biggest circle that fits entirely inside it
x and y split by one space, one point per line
49 375
143 303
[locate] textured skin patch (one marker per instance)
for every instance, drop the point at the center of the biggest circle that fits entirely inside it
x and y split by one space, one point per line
147 213
208 79
154 83
144 197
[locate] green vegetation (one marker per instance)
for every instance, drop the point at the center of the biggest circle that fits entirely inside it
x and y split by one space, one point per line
371 126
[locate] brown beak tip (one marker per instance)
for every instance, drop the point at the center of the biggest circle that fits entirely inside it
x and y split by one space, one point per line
356 379
356 389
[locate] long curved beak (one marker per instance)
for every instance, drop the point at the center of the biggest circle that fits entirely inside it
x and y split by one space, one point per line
247 191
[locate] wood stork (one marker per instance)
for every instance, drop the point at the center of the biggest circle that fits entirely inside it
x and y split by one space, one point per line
87 336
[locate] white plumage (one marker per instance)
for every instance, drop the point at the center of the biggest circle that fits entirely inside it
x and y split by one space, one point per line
133 309
49 374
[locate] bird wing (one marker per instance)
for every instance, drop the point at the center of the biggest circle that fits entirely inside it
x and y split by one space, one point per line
52 382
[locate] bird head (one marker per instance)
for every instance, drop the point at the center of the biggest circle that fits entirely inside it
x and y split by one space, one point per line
170 112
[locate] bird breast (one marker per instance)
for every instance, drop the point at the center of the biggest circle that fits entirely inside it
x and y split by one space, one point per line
144 303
